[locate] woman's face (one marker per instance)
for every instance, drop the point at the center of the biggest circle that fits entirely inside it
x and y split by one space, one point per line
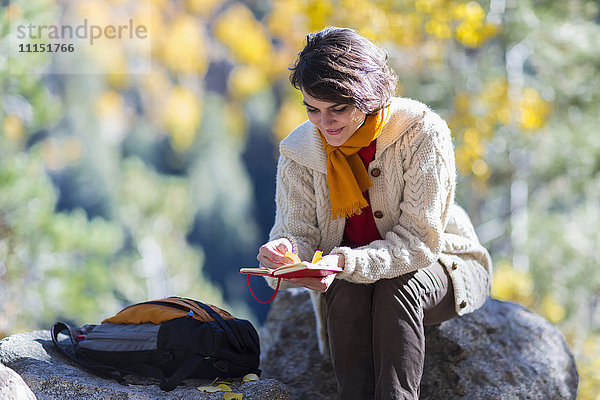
337 122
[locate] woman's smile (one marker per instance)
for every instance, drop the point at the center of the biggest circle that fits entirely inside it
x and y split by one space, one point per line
334 131
337 122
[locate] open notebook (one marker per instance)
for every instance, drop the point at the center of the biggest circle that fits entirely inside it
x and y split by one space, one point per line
319 266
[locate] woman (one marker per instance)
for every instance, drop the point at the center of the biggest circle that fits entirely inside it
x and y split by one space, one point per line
370 178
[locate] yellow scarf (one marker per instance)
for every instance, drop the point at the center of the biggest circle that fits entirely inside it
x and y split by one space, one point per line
346 173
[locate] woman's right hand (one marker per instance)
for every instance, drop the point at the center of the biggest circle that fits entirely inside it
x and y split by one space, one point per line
272 254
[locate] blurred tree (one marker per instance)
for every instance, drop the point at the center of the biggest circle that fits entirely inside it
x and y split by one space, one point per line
171 173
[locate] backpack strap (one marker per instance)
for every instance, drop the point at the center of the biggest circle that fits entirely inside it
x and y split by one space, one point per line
233 336
98 368
185 370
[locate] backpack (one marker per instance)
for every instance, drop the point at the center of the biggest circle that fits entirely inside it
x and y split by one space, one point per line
169 339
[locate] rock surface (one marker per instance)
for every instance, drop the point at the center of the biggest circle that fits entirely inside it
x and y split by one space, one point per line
501 351
53 377
12 386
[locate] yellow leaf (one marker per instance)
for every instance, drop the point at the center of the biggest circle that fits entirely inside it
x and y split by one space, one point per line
208 389
292 256
250 378
317 256
233 396
213 389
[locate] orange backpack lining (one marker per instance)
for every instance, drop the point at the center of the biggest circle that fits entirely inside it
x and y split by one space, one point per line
163 310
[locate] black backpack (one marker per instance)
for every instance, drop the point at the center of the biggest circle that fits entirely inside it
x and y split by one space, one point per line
170 339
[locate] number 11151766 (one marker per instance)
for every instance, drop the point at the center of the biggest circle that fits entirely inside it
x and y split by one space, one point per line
46 48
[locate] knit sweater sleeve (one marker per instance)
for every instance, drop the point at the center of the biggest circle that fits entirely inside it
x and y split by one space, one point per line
295 215
415 241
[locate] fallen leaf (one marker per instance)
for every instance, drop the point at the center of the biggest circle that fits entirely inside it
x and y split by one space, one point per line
233 396
208 389
250 378
213 389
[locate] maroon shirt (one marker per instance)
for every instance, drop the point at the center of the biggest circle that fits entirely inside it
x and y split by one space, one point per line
361 230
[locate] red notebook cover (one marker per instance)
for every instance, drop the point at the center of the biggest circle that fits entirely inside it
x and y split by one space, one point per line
297 270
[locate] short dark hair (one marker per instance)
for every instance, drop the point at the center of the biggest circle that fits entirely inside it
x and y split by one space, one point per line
340 66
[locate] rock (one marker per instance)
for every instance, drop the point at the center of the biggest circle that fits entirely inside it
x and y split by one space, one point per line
12 386
501 351
52 376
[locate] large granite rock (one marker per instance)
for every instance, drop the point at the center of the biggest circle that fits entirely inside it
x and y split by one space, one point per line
501 351
53 377
12 386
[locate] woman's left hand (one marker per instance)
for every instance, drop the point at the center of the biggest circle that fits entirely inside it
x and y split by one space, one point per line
319 284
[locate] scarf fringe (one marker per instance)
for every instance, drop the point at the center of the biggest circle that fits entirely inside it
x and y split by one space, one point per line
349 210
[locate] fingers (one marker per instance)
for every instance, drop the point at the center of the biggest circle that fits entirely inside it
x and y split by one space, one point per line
269 262
282 248
269 256
318 284
272 254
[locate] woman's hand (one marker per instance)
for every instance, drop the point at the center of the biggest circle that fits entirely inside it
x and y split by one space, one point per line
319 284
272 254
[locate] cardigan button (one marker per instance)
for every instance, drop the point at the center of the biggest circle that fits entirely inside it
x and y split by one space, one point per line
463 304
454 266
375 172
378 214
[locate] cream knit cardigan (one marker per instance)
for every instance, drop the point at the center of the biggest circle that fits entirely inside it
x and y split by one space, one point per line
414 192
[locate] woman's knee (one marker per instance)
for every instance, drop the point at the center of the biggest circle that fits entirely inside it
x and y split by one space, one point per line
397 298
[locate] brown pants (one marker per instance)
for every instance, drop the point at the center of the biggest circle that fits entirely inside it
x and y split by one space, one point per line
376 334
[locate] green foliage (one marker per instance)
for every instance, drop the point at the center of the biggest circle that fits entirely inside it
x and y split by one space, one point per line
105 180
50 259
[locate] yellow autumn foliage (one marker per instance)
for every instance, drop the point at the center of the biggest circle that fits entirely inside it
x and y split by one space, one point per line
184 49
245 37
551 309
534 111
512 284
203 7
13 128
478 115
287 22
246 80
291 114
319 13
182 116
473 30
588 367
109 103
439 27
